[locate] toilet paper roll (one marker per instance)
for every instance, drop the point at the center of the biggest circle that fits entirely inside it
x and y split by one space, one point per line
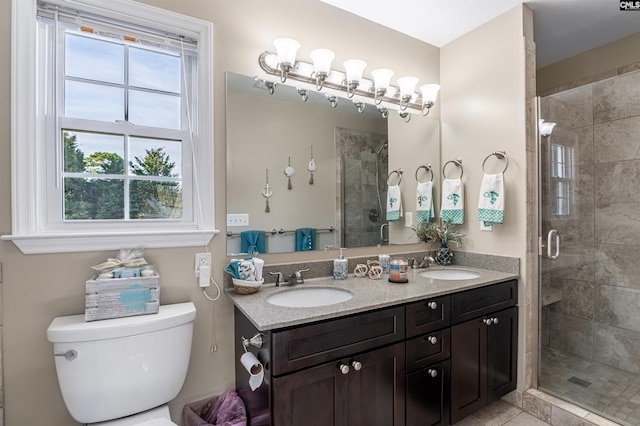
254 368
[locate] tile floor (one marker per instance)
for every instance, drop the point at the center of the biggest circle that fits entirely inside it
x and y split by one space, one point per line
604 390
501 413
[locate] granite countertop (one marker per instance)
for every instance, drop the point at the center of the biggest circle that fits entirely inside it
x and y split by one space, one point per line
368 295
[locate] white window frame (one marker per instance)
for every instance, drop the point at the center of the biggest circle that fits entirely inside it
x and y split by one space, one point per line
28 149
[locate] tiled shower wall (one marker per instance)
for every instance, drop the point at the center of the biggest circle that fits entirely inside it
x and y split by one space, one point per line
361 215
592 292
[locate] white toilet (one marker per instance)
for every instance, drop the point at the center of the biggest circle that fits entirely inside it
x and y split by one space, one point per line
123 371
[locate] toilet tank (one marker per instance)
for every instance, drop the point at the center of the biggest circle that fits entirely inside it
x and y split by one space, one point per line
122 366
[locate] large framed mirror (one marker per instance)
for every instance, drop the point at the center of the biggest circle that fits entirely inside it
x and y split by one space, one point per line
314 173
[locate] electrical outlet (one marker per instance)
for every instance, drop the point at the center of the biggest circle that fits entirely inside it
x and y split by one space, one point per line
202 259
238 219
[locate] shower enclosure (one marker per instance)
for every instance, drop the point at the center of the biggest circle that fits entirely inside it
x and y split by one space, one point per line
590 266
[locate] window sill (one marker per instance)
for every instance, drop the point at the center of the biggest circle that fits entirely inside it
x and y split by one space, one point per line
68 243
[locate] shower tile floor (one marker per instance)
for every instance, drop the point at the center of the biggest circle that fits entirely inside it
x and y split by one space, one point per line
604 390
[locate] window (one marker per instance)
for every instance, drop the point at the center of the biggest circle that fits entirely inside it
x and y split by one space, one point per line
561 179
113 141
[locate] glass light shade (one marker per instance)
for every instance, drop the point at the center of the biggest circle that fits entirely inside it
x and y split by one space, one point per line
407 85
354 69
322 60
286 49
429 92
382 78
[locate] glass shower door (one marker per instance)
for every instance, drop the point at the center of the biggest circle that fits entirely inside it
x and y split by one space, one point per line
589 166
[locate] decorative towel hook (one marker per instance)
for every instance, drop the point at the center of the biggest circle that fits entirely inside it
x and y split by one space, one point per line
502 155
457 162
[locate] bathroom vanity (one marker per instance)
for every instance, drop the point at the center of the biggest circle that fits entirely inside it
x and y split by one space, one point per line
429 352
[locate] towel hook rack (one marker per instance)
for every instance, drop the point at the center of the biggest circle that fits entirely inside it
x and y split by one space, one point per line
427 169
399 173
457 162
502 155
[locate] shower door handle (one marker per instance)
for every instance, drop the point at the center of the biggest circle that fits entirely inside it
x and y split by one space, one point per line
550 236
382 238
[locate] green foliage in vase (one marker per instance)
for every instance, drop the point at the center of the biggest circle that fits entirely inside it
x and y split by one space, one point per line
439 231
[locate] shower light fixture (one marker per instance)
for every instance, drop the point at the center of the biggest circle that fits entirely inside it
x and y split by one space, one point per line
546 127
318 73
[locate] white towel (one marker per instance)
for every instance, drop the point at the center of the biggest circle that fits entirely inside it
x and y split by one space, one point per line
394 203
424 202
452 210
491 200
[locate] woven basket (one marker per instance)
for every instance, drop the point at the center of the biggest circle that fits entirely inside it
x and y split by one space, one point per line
246 287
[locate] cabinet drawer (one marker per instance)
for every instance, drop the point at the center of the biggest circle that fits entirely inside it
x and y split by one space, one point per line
313 344
425 350
482 301
428 315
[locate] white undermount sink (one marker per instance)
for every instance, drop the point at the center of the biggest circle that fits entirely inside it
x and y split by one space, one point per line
449 274
309 297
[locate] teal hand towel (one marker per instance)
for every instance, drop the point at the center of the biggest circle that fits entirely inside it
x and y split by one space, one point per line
306 239
252 242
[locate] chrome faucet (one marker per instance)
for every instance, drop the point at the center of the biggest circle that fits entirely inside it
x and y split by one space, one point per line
293 279
412 262
426 262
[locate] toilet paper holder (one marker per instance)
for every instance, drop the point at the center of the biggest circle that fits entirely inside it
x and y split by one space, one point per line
255 341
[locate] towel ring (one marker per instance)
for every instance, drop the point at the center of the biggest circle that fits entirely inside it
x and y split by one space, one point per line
457 162
427 168
399 173
502 155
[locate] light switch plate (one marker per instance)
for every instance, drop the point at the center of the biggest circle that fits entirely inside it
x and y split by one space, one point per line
484 227
238 219
408 219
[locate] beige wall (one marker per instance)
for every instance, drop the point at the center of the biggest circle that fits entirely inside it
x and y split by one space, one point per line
37 288
484 109
593 64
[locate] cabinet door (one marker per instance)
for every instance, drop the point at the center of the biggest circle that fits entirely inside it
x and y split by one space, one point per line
502 338
468 368
316 396
369 393
428 396
376 390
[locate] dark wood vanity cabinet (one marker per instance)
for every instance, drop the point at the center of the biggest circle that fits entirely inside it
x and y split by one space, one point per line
483 347
425 363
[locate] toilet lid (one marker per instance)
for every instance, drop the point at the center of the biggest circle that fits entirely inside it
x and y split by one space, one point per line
157 422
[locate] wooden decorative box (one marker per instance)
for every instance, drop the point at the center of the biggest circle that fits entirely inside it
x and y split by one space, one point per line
121 297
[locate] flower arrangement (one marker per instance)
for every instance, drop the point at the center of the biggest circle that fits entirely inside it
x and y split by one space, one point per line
439 231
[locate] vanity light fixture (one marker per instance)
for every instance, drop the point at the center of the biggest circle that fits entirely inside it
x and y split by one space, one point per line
322 59
381 83
407 88
377 90
359 106
286 49
384 112
332 100
429 94
354 69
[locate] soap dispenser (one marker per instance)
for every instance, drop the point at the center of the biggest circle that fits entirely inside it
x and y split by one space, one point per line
340 267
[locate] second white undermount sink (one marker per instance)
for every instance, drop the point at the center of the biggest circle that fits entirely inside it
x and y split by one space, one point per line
449 274
309 297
